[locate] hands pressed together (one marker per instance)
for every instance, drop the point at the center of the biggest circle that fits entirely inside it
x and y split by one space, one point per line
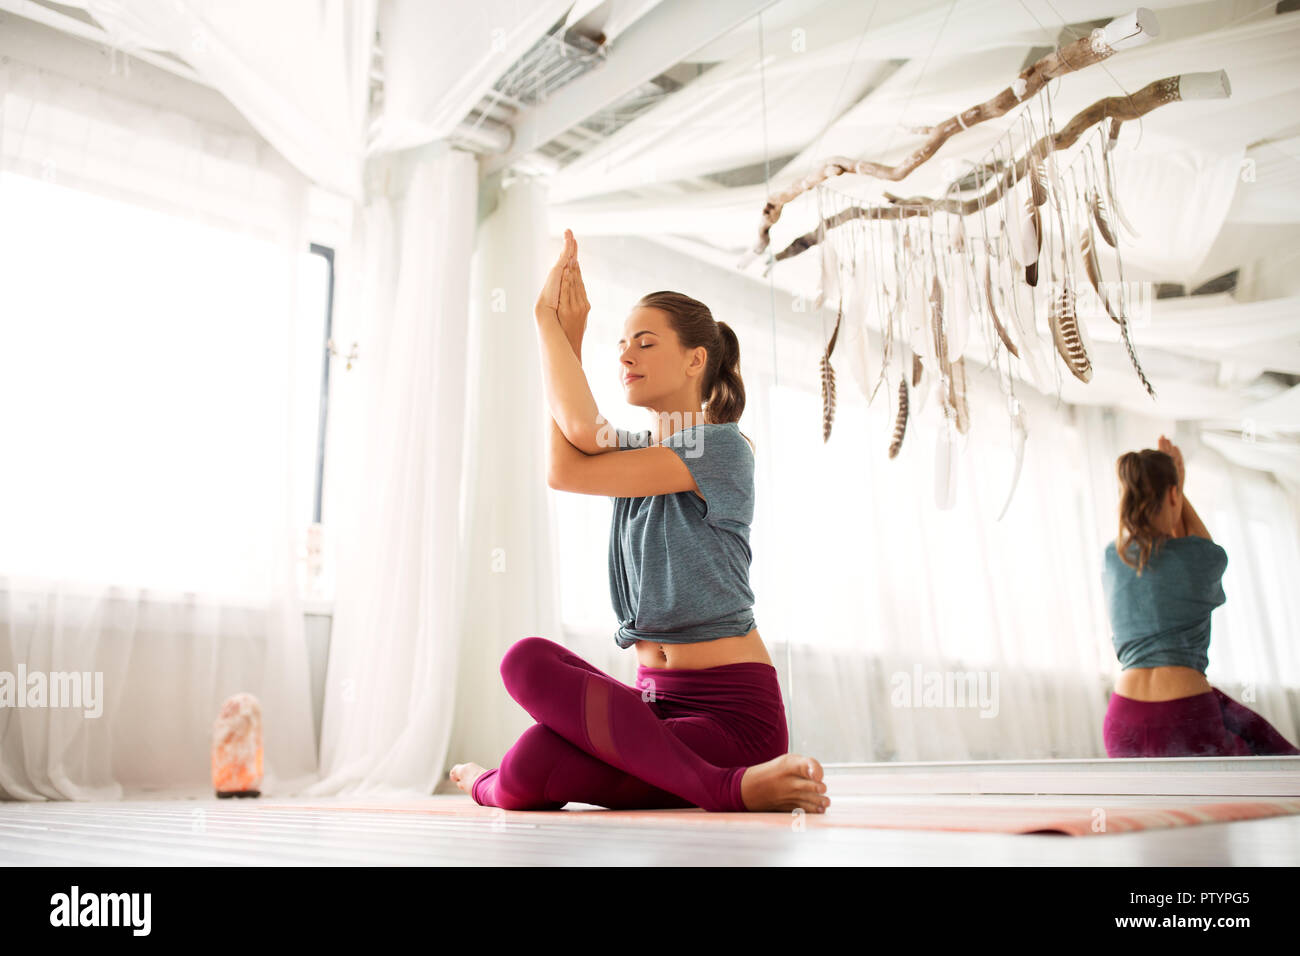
1170 449
564 297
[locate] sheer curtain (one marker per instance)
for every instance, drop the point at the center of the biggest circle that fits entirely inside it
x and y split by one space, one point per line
153 500
865 590
510 555
398 607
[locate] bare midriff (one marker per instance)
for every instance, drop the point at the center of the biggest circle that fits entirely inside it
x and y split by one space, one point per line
715 653
1152 684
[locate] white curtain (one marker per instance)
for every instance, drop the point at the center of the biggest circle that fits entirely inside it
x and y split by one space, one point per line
155 490
511 556
299 70
397 614
860 580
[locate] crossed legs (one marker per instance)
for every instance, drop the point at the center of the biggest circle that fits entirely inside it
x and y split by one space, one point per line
597 741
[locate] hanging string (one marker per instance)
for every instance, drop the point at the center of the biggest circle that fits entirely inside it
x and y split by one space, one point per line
767 183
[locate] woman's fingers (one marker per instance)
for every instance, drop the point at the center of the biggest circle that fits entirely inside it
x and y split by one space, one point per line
551 289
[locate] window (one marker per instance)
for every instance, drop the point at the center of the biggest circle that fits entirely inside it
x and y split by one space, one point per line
152 387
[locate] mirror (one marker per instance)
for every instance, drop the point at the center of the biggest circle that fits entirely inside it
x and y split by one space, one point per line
950 601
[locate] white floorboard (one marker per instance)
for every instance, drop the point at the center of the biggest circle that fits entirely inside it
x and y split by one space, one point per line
252 833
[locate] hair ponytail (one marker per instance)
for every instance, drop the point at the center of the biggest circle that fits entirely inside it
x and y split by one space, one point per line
1145 478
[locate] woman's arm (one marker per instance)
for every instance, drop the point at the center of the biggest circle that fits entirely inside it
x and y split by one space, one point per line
1192 523
573 408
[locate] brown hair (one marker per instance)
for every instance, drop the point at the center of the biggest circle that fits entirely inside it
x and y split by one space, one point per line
1145 478
722 389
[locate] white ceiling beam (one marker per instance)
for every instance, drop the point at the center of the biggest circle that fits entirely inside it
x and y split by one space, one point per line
664 37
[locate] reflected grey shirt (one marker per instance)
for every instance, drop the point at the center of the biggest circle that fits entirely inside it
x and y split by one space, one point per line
1163 617
679 565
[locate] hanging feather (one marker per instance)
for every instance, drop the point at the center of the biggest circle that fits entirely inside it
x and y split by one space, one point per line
1102 216
1032 233
1026 236
1019 432
916 369
939 329
957 395
1065 333
1033 352
828 380
993 312
828 284
900 423
918 325
1011 225
1092 266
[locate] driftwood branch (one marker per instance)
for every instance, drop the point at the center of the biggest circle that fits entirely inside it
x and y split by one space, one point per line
1171 89
1121 33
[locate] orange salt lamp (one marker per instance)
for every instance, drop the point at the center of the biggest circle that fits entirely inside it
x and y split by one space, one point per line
237 748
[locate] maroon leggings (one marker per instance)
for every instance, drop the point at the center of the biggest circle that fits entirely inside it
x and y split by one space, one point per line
1203 725
683 739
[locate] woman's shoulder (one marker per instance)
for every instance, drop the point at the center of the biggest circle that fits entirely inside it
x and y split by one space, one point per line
1196 548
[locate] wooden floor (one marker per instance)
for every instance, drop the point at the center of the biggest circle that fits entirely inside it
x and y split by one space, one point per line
452 830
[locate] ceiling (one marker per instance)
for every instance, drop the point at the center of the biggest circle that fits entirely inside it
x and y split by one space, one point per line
675 120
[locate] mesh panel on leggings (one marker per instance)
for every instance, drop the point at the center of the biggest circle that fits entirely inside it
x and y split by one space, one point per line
597 722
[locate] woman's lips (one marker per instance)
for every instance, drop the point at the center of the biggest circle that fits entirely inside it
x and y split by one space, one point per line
629 379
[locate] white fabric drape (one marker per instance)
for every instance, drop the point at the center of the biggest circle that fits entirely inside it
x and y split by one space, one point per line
439 62
152 502
299 70
397 612
860 580
511 557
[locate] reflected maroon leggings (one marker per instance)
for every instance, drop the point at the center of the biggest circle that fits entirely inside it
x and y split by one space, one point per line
1203 725
683 739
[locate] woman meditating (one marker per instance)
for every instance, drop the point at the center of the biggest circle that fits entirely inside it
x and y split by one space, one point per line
706 724
1163 578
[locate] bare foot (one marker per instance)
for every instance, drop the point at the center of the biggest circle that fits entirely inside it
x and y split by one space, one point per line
465 774
788 782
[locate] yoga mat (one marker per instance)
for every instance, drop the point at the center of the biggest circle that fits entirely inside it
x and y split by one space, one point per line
1050 816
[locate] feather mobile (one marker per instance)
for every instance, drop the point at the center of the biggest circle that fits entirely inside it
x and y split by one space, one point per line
828 380
1065 333
900 423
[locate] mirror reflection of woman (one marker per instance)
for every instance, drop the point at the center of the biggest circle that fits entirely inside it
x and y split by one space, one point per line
706 725
1163 578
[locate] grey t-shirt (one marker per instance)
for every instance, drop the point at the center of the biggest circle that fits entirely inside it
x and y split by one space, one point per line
679 565
1163 617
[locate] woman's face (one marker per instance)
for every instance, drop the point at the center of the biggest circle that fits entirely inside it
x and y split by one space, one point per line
653 365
